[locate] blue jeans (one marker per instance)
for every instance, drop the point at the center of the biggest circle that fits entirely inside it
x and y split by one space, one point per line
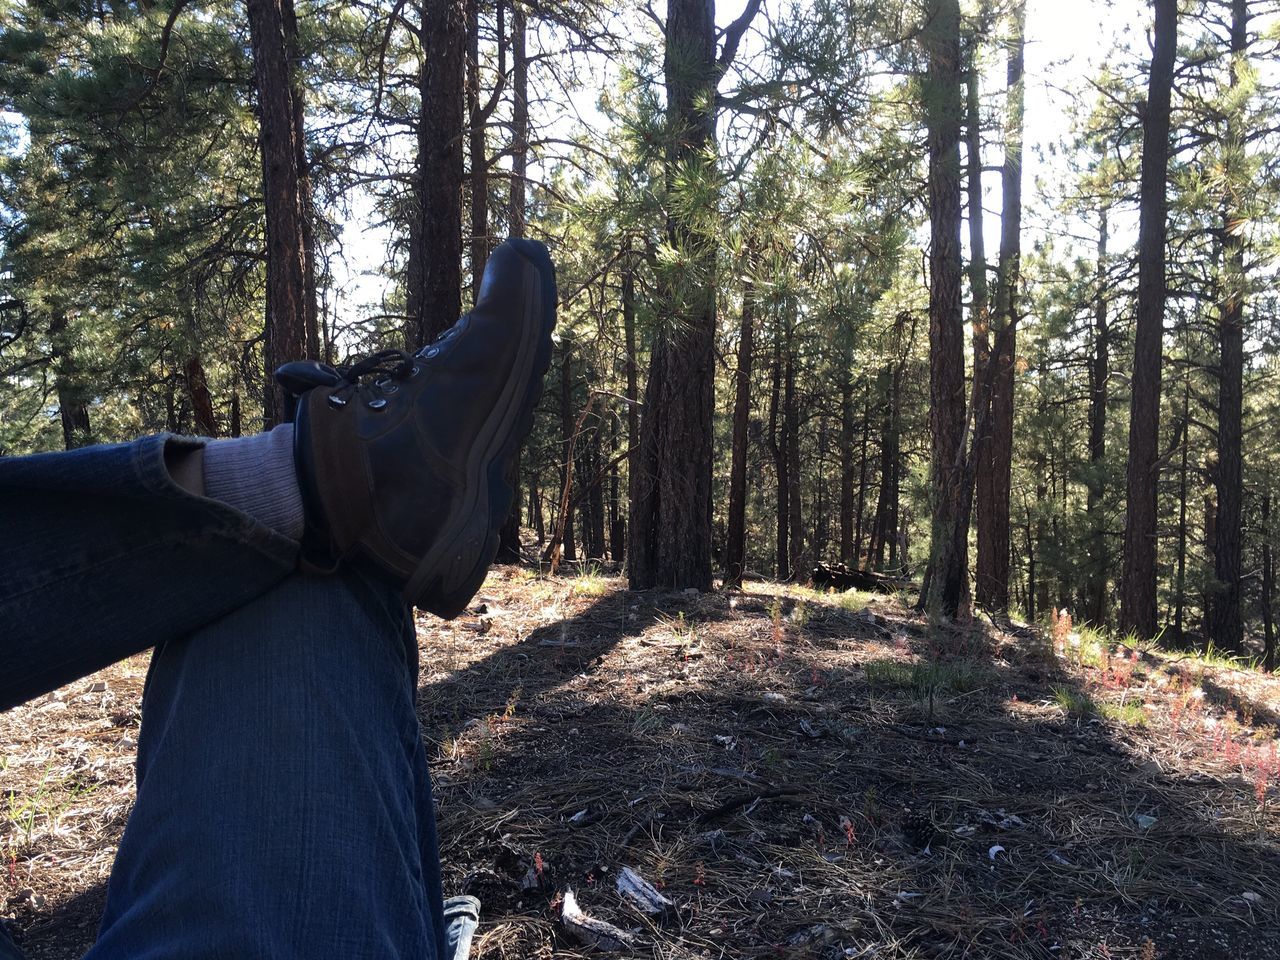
283 800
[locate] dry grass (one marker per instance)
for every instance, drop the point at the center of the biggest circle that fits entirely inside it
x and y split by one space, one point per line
803 775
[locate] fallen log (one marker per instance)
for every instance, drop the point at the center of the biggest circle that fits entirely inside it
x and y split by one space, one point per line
841 577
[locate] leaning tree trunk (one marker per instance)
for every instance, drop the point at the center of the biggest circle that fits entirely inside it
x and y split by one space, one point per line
198 393
777 447
1099 374
791 442
1007 307
287 272
434 271
671 515
1138 581
942 102
1268 588
980 320
735 545
1226 626
509 536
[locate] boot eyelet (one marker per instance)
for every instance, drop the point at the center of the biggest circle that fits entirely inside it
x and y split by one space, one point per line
377 404
336 401
386 385
414 371
431 353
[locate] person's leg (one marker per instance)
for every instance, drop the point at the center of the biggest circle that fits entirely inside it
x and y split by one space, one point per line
284 808
104 555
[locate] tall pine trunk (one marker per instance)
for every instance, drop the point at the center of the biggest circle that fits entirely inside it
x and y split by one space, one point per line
735 545
791 442
1138 581
671 514
69 383
289 275
778 448
1099 374
980 320
943 108
1226 626
1268 588
434 271
1007 308
509 535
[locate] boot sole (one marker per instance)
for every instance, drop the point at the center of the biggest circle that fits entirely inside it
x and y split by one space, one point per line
449 575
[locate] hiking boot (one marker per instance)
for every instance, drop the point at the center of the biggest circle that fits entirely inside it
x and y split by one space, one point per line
403 459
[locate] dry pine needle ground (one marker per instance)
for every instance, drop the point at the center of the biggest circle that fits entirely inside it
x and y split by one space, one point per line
800 774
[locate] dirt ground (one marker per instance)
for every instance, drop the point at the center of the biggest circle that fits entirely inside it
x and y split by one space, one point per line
798 774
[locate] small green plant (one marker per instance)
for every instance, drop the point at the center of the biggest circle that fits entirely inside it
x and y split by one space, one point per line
1075 703
852 600
890 673
1130 713
590 582
645 721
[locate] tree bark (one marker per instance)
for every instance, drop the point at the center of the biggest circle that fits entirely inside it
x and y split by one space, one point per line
286 333
1268 588
735 544
778 448
68 383
943 109
1138 582
434 271
1226 625
568 549
980 320
509 535
1007 308
791 439
671 515
847 498
198 392
1099 374
862 474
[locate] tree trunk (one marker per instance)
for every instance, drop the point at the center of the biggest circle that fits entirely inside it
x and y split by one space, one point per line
519 122
671 514
198 392
778 448
1138 582
68 383
1226 626
509 535
847 500
1268 588
1099 374
568 550
434 271
942 102
735 545
1180 576
287 273
980 320
1007 308
631 370
791 439
856 553
306 193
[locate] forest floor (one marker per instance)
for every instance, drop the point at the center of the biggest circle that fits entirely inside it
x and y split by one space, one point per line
800 774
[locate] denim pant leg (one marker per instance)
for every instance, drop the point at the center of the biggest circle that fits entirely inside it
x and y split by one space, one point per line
284 808
102 555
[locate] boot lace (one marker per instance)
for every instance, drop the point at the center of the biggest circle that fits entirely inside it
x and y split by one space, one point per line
377 374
